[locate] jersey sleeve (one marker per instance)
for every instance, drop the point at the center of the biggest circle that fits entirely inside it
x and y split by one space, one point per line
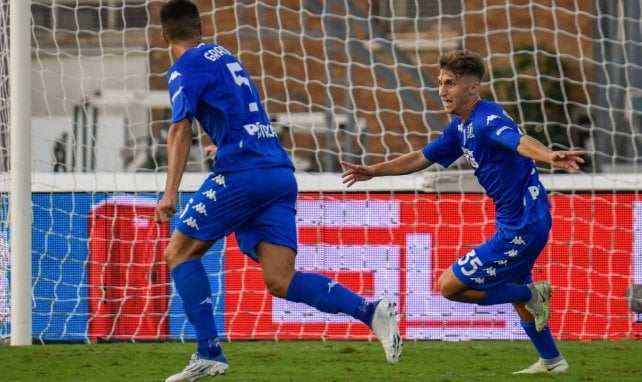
502 132
181 107
445 149
183 93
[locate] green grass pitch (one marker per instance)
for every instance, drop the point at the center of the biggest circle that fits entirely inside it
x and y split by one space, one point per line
310 361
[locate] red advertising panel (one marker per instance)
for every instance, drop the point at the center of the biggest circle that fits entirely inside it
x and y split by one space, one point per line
128 279
398 245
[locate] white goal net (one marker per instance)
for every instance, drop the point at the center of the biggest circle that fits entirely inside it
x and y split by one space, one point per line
342 80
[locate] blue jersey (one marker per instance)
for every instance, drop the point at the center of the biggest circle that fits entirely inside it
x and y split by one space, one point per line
208 83
489 140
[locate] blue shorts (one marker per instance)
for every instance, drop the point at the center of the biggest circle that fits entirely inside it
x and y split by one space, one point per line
257 205
507 257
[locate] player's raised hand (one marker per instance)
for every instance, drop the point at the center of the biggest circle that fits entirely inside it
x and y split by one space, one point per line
356 173
567 160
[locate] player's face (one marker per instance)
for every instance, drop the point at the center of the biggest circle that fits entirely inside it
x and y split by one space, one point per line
456 92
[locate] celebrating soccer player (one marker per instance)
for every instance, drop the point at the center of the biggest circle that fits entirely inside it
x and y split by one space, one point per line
499 270
252 192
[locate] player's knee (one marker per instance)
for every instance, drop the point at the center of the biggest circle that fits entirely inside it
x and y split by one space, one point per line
171 257
277 286
447 289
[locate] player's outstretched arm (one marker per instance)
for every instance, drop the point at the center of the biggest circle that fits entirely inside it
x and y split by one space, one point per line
565 160
405 164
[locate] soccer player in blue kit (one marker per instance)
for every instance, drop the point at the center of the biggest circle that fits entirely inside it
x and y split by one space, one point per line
499 270
251 192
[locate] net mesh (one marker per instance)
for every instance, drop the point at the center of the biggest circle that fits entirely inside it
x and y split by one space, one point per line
341 80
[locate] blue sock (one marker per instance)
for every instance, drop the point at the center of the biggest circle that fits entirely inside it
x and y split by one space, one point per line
329 296
194 288
506 293
543 341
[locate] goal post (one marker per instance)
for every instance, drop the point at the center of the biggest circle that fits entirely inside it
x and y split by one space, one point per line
20 169
341 80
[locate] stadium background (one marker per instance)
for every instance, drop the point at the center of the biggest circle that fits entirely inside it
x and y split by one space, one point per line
342 80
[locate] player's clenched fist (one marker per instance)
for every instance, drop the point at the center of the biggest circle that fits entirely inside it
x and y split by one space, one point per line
165 209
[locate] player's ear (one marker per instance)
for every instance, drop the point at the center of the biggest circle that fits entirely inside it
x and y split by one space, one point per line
165 38
473 87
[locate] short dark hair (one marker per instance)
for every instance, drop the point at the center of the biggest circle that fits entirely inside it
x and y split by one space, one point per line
180 20
462 62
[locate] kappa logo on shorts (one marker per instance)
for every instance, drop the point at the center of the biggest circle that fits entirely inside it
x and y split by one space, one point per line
210 194
220 180
200 208
501 262
517 240
191 222
491 271
512 253
479 280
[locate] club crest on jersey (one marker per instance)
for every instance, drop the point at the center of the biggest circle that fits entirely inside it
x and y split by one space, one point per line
469 131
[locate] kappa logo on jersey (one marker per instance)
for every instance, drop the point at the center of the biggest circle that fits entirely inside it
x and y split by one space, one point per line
210 194
490 118
501 130
200 208
220 180
208 300
191 222
175 74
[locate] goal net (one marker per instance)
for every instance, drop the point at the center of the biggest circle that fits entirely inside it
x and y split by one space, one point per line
341 80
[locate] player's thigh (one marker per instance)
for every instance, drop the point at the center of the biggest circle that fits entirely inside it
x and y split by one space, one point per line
508 256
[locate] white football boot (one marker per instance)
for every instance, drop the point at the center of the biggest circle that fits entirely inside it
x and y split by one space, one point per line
384 325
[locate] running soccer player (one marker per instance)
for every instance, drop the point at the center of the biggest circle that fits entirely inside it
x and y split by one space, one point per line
499 270
252 192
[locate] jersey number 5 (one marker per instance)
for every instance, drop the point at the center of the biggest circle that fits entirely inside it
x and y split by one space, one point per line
240 79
